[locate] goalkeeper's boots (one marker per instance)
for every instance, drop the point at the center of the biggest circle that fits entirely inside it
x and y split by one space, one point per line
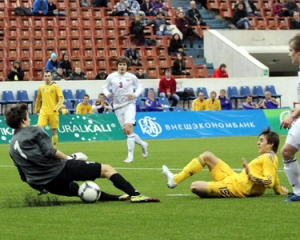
143 199
293 198
124 197
170 176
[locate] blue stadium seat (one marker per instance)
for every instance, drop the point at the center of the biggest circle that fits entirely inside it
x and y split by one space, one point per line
271 89
35 95
8 97
202 89
232 93
164 102
258 91
68 95
69 106
147 90
140 104
245 91
22 96
80 93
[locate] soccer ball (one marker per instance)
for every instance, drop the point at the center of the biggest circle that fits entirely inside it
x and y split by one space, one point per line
89 192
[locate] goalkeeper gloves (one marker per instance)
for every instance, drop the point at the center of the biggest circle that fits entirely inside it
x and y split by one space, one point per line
78 156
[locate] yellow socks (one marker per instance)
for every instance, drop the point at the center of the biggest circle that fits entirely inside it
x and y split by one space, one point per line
193 167
54 140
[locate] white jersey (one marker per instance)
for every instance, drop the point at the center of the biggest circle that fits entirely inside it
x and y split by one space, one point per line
122 85
298 87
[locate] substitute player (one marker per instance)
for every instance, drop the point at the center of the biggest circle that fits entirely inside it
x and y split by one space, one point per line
261 173
122 84
45 168
51 98
292 143
84 107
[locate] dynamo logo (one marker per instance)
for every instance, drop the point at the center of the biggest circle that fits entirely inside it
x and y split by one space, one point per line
149 126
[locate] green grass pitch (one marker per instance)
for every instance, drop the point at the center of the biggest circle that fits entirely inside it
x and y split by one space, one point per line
179 215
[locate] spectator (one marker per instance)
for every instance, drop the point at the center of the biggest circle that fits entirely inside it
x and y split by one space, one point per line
121 9
159 7
147 8
16 73
295 21
141 74
176 45
40 8
203 3
212 102
187 31
160 24
133 54
193 15
58 75
53 11
86 3
52 64
226 104
66 65
101 76
291 7
221 72
152 104
77 74
199 103
167 87
280 10
250 8
240 19
135 8
99 3
137 29
179 66
268 102
249 104
84 107
100 105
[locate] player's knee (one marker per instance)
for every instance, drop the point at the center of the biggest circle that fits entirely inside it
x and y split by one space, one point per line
286 154
207 156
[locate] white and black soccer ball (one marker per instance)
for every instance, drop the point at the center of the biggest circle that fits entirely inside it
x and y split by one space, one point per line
89 192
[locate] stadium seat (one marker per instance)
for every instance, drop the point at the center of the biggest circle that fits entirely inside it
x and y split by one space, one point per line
68 95
51 41
74 12
245 91
112 42
140 103
2 104
232 93
100 42
271 89
8 97
162 51
165 102
75 32
22 96
38 42
101 63
202 89
283 23
12 42
86 12
164 62
258 92
80 93
89 62
123 22
151 62
152 72
88 52
38 32
69 105
37 74
87 32
146 90
26 63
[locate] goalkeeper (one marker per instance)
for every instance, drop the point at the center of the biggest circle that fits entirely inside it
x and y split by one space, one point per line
257 176
47 169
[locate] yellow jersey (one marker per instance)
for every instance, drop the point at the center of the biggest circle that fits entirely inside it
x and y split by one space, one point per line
84 108
50 97
198 105
213 105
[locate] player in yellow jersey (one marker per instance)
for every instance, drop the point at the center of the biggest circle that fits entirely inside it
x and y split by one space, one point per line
259 174
84 107
49 101
199 103
213 103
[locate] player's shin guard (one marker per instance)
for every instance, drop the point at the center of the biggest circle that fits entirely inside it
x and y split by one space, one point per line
54 140
192 168
120 183
291 168
130 144
108 197
137 139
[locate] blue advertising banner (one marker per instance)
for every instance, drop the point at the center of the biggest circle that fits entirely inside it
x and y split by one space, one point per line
162 125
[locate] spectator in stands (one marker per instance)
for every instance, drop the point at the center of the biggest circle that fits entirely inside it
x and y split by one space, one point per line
187 31
240 19
99 3
213 103
203 3
226 103
100 105
221 72
152 104
199 103
179 66
147 8
176 45
137 29
167 87
77 74
250 8
295 21
40 8
122 8
135 8
86 3
133 54
101 75
160 24
16 73
159 7
280 10
268 102
52 64
58 75
291 7
193 15
53 11
141 74
84 107
66 65
249 104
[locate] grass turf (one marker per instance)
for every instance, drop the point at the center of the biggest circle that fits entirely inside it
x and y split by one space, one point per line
182 216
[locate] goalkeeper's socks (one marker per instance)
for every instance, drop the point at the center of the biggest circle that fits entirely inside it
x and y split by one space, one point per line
189 170
120 183
54 140
108 197
291 168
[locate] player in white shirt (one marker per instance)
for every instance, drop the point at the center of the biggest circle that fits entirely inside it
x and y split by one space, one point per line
122 84
292 142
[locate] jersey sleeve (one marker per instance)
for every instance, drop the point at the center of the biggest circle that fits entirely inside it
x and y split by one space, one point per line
277 188
138 86
60 99
38 100
78 109
107 85
44 142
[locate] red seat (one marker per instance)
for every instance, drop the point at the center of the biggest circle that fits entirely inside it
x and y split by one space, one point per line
213 4
12 42
76 52
98 22
153 72
13 53
38 63
124 42
162 41
112 42
25 32
112 62
38 22
111 31
62 50
101 52
201 71
62 22
75 22
74 13
2 22
26 63
38 32
113 51
283 22
2 53
149 51
88 52
98 12
24 42
38 42
189 61
87 42
27 74
61 4
63 42
51 41
86 12
25 52
11 12
37 74
151 62
110 22
12 32
50 22
162 51
90 74
271 23
87 32
89 62
38 52
99 32
101 63
50 32
73 4
75 42
49 51
76 62
122 21
12 22
164 62
87 22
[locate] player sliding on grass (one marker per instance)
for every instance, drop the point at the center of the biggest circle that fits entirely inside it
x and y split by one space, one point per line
45 168
259 174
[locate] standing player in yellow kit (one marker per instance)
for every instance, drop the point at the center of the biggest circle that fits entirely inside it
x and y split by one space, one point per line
257 176
51 98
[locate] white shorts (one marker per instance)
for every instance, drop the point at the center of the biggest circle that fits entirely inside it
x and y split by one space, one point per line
293 137
126 114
